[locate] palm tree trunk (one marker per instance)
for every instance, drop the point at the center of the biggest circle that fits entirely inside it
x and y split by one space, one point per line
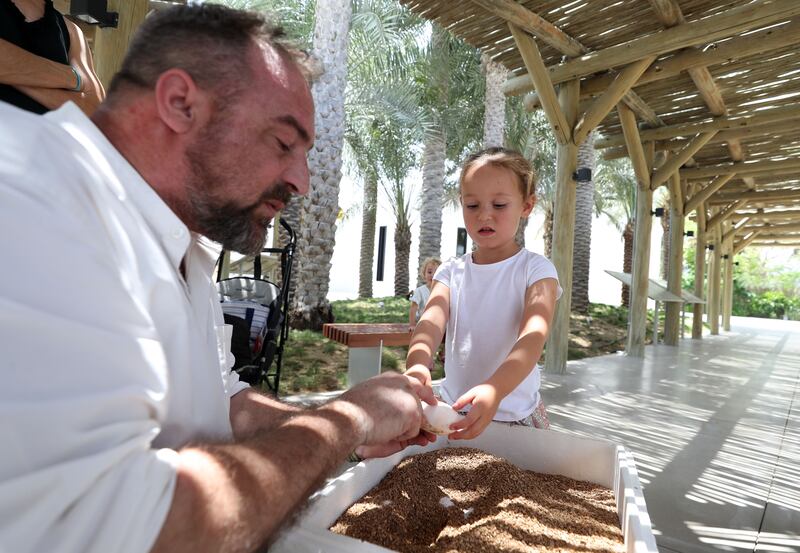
291 214
431 198
367 236
316 237
548 232
582 241
627 261
402 248
494 116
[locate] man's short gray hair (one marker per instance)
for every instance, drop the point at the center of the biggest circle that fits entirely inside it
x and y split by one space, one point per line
208 41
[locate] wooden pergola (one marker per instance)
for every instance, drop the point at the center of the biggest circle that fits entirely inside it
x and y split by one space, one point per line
700 94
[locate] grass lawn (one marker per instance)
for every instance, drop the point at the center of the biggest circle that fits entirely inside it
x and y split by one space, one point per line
312 363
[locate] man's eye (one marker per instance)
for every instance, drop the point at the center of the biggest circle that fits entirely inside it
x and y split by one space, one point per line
283 146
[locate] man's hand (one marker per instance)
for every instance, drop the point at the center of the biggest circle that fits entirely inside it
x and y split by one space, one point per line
484 400
391 413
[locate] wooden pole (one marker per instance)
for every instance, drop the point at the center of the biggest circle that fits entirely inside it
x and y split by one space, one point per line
727 304
672 321
110 44
564 232
714 284
642 229
699 272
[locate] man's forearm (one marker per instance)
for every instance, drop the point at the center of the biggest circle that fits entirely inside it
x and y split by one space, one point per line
234 497
252 412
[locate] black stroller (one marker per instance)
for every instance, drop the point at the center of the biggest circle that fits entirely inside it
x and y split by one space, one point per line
258 310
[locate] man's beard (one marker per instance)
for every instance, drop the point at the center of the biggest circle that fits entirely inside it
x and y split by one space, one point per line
235 227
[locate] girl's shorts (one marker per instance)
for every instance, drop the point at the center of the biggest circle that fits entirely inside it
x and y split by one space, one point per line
537 419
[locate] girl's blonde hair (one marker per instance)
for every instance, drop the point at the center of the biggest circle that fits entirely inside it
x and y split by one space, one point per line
508 159
428 261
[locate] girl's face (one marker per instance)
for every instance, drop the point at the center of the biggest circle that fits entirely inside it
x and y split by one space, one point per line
430 269
492 204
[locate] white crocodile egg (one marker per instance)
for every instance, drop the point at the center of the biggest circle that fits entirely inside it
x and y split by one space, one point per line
438 418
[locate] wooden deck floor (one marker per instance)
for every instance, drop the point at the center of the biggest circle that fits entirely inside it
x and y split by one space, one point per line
714 426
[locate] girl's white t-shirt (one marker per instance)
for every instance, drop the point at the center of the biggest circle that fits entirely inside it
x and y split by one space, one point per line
486 306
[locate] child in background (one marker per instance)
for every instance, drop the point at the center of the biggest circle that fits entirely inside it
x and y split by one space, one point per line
495 303
419 297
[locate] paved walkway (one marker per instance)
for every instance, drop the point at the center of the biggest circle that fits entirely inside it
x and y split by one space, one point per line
714 425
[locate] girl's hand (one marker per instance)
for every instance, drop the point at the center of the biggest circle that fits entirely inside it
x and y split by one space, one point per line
421 373
484 400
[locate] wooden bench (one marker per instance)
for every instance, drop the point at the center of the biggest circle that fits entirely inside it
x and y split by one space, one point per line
365 345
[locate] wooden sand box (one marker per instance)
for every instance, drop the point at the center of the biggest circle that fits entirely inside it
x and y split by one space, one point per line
465 500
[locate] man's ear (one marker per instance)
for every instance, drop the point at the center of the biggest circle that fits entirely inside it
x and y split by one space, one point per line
179 102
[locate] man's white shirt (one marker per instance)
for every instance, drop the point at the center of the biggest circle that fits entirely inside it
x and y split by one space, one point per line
111 358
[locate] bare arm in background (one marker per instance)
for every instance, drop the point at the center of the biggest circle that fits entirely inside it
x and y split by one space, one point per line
91 93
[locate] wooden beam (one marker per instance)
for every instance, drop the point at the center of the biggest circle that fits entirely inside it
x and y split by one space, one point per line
675 162
787 227
111 44
563 233
535 65
740 168
634 144
672 317
722 136
723 215
769 244
701 196
530 22
611 97
791 214
757 197
699 272
778 115
718 26
739 246
731 233
735 48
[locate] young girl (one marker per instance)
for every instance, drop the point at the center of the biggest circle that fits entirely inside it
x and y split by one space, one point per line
495 303
420 296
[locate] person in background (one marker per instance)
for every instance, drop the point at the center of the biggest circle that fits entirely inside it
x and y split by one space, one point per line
123 429
496 303
420 295
44 59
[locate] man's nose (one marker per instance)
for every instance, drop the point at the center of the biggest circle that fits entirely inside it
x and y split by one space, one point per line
297 176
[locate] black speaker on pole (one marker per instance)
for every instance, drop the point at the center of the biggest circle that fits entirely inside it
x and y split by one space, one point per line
381 251
461 241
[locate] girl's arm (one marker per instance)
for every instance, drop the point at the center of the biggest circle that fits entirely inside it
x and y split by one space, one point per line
412 315
428 333
540 301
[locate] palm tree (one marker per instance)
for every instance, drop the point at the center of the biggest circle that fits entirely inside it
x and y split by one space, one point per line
582 241
318 220
383 51
530 134
617 199
494 111
451 88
